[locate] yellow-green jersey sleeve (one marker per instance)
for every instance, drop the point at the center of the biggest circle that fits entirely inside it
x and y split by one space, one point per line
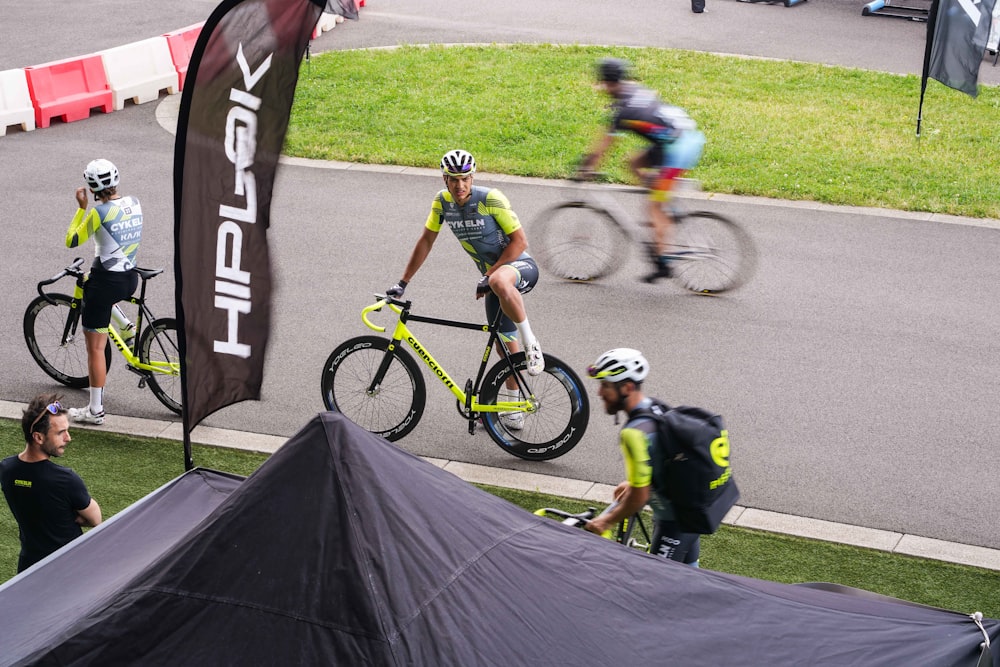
635 451
84 224
497 205
434 218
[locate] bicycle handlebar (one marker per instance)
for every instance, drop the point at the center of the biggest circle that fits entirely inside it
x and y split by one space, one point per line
382 300
73 269
569 518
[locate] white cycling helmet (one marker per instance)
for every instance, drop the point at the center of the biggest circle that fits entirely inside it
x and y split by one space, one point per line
620 364
100 175
458 163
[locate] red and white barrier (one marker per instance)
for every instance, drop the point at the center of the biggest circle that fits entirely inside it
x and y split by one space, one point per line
139 71
15 101
68 89
327 21
181 43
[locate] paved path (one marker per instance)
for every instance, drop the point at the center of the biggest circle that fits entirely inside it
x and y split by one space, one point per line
841 341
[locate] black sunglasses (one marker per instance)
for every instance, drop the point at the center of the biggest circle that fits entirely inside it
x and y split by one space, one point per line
51 408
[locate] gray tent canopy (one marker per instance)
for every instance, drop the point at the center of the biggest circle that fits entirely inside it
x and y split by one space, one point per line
343 549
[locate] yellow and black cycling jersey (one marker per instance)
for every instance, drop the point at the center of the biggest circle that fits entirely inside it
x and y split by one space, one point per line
116 226
482 225
636 438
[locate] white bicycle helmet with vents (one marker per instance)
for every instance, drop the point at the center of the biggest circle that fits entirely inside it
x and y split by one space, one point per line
458 163
620 364
100 175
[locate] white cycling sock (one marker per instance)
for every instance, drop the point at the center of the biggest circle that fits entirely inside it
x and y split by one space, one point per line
96 400
524 331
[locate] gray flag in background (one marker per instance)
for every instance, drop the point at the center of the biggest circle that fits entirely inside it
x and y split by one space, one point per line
960 31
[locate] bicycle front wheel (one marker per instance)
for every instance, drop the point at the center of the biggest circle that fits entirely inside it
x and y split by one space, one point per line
578 241
159 347
393 408
715 254
54 335
558 423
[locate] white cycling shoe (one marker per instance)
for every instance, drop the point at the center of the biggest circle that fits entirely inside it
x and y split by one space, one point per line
512 421
85 416
536 362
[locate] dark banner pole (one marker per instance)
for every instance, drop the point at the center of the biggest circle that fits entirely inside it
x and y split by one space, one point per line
928 46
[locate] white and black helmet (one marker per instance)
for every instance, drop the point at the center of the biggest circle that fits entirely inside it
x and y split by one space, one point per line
458 163
100 175
620 364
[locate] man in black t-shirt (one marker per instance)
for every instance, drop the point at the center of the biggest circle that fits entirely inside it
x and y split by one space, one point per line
49 501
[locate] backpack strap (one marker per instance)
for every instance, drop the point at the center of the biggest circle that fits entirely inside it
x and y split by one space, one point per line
657 407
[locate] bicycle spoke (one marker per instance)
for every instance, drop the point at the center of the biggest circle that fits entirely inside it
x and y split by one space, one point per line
395 405
158 347
559 421
713 254
44 326
577 242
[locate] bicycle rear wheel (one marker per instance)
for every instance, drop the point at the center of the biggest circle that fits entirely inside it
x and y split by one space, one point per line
562 415
55 340
159 346
578 241
715 254
394 407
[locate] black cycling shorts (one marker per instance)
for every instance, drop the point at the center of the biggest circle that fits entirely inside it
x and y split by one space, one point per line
669 541
527 278
101 292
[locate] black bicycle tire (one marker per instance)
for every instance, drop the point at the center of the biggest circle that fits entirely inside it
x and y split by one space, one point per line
157 334
577 241
552 443
726 270
76 377
363 408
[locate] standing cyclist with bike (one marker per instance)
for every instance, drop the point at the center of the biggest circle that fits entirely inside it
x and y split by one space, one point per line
490 232
621 372
115 224
676 146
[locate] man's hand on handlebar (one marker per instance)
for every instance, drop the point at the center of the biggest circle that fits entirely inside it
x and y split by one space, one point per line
396 290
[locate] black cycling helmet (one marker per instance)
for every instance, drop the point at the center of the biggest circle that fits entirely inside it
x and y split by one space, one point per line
612 69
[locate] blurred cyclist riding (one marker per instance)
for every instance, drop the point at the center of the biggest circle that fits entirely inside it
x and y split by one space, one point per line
676 146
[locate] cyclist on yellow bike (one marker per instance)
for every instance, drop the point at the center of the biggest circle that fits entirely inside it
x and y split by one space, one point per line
676 147
621 372
115 224
490 232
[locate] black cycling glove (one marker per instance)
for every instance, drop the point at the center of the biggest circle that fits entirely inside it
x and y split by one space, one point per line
483 286
396 290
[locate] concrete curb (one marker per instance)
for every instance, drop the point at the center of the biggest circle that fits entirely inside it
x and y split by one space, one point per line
744 517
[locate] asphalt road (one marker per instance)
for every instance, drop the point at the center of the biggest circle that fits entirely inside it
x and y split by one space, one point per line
857 372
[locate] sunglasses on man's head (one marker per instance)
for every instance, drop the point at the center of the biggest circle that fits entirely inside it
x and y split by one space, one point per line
51 408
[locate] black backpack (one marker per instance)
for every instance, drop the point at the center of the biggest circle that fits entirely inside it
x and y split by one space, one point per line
690 462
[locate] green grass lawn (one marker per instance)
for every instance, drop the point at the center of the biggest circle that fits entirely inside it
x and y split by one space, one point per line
119 470
775 128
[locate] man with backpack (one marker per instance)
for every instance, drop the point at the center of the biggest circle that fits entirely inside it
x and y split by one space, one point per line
676 460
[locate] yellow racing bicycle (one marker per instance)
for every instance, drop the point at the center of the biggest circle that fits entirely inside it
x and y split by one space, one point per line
377 384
